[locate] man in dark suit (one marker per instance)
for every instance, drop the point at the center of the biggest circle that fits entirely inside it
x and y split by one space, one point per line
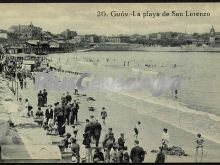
137 153
68 97
97 132
76 107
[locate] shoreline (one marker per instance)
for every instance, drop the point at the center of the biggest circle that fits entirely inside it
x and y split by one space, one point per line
150 157
182 111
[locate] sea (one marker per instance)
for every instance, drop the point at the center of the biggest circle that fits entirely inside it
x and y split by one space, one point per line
196 108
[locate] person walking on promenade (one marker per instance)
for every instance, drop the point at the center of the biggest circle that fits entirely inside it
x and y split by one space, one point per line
137 153
136 129
160 156
75 148
165 139
40 99
103 114
199 142
97 132
44 94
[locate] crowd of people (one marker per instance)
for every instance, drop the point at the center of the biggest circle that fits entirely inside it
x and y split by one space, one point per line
64 113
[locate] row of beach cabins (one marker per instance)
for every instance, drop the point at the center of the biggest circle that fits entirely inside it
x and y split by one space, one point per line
41 47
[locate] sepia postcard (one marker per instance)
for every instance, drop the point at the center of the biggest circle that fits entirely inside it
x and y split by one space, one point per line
109 83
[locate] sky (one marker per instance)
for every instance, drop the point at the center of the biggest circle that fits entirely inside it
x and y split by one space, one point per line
83 17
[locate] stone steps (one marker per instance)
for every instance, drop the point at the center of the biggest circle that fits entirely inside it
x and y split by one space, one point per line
30 152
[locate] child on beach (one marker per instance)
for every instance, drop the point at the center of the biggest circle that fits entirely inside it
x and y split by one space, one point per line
199 143
75 130
103 114
136 129
50 127
165 138
55 129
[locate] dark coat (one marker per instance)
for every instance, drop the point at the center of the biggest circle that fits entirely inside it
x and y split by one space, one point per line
88 129
99 156
97 129
47 114
67 110
68 98
137 154
76 107
160 158
121 142
51 113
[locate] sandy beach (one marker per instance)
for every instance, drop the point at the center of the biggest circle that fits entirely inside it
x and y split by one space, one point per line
124 109
123 112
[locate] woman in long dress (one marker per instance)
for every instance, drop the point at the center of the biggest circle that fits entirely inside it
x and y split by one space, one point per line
24 113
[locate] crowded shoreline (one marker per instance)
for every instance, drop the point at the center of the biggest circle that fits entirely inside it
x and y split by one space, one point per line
112 109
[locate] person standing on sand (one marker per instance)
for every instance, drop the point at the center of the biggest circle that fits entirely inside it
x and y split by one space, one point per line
67 109
40 99
103 114
98 156
160 156
68 97
121 141
137 153
88 128
97 132
44 94
199 143
75 148
136 129
72 114
165 138
87 144
63 98
76 109
76 90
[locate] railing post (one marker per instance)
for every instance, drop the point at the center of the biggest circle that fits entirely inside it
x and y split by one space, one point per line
17 91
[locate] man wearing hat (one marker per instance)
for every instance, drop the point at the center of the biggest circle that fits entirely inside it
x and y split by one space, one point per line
97 132
92 124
